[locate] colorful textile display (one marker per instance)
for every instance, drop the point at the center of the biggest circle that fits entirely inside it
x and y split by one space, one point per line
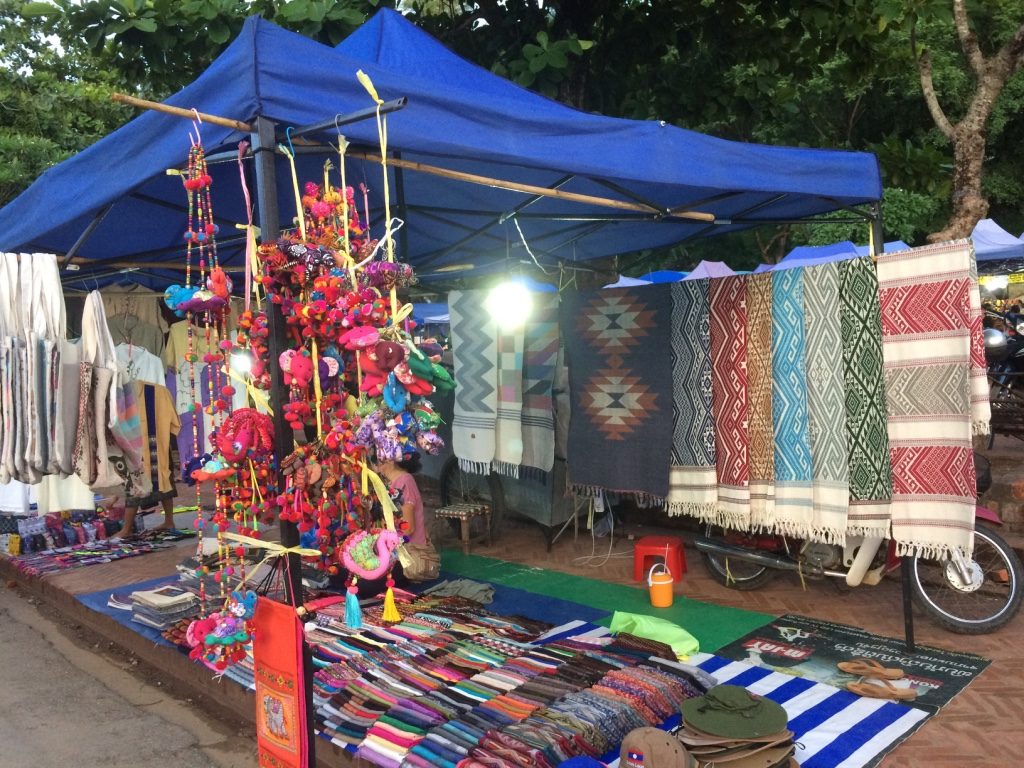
508 429
870 469
759 375
620 373
540 355
926 330
474 350
793 467
693 486
826 403
280 687
730 394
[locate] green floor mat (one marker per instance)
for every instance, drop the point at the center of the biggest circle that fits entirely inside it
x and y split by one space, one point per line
712 625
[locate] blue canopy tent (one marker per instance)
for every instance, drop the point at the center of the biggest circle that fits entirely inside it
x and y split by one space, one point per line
809 255
664 276
113 206
993 243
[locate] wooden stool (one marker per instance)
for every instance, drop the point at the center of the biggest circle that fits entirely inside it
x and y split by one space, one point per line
464 513
668 547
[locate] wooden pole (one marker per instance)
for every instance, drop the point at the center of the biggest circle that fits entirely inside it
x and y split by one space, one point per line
532 189
446 173
156 106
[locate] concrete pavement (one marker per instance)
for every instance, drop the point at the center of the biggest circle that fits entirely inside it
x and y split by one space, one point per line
63 702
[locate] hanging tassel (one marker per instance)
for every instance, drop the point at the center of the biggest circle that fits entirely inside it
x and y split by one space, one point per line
353 614
390 610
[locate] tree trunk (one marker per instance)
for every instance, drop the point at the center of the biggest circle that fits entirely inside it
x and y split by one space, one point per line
969 203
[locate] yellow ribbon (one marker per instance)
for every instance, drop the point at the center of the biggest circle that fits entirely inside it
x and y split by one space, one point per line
387 505
273 550
382 133
349 260
295 188
258 397
318 392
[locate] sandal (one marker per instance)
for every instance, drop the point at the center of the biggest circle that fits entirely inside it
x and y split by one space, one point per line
869 668
882 689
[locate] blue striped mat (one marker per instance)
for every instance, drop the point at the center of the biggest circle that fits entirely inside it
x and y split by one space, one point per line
833 728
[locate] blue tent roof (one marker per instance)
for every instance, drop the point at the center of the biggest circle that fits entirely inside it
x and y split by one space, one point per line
809 255
992 242
459 116
664 276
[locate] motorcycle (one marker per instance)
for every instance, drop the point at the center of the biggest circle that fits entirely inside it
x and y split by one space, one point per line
970 596
1004 352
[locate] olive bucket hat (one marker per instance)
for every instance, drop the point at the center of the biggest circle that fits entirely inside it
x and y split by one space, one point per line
735 713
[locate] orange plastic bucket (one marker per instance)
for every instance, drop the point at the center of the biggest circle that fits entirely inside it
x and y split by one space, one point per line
660 586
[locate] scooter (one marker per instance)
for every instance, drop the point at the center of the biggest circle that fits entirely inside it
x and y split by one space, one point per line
970 596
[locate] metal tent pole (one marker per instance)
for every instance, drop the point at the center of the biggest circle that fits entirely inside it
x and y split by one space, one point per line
263 143
877 247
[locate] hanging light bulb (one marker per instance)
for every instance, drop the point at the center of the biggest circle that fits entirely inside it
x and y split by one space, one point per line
510 304
241 361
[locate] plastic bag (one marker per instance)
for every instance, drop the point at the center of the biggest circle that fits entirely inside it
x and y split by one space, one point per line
678 639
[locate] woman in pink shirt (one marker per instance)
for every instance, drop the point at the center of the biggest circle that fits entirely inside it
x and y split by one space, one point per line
399 477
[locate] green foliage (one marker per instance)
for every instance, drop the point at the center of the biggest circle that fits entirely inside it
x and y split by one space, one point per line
53 103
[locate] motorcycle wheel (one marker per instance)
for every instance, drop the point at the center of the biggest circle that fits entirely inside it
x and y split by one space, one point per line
991 599
732 573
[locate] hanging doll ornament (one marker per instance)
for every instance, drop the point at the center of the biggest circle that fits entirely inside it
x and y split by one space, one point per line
220 639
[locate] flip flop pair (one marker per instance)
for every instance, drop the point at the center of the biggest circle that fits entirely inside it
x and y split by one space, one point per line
876 684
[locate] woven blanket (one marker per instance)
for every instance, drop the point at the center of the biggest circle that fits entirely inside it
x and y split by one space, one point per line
826 403
866 431
475 354
793 467
693 484
729 400
759 374
981 406
620 381
539 357
508 432
926 346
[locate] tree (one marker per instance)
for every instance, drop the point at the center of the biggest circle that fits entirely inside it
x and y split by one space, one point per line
52 102
968 135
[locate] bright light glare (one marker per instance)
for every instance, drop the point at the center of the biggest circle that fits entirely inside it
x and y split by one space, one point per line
510 304
994 282
241 362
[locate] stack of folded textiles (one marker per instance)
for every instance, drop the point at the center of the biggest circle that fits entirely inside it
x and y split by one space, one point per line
162 607
452 685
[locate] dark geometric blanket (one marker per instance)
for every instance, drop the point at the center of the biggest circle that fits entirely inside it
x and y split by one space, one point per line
620 378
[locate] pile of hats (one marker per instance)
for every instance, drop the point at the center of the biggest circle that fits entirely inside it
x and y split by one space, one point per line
730 726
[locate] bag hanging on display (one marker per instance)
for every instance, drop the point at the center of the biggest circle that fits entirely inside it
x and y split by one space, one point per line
426 562
280 686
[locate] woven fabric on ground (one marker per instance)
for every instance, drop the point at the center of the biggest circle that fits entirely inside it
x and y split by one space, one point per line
620 376
693 486
926 331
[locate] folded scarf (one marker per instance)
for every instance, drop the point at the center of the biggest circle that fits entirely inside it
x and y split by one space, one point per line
693 488
926 346
826 403
539 357
620 377
759 374
508 433
866 430
729 400
793 469
475 354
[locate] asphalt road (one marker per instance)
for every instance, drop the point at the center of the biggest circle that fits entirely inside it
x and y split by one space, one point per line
64 702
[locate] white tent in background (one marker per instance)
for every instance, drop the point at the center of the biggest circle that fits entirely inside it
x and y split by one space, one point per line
710 269
993 243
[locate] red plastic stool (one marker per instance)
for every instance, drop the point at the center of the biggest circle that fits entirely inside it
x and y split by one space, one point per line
668 547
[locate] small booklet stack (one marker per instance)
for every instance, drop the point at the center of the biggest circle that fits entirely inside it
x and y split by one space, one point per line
160 608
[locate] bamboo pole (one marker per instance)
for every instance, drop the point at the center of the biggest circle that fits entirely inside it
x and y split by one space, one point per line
156 106
433 170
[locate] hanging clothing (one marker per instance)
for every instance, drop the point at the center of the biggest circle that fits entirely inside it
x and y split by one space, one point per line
159 424
64 494
140 364
128 329
138 302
